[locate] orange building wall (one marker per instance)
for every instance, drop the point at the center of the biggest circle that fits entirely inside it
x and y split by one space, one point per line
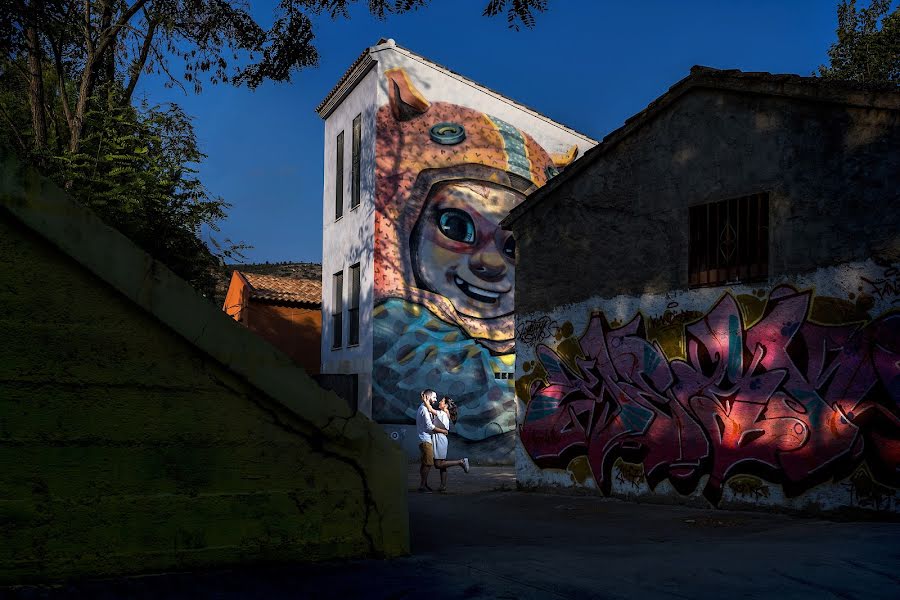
295 331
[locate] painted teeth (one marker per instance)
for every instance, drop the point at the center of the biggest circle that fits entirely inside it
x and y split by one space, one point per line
476 290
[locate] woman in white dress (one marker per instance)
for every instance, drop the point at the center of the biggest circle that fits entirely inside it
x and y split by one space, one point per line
444 414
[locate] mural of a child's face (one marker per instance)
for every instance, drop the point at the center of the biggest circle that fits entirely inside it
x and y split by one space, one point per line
459 250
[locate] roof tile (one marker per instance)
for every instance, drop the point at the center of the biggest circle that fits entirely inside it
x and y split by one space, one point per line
284 289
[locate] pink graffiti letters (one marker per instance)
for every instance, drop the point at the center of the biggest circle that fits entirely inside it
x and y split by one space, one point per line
786 399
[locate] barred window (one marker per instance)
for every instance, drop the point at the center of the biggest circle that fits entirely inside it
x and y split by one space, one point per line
729 241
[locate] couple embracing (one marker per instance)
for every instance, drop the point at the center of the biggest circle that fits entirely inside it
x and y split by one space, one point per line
432 426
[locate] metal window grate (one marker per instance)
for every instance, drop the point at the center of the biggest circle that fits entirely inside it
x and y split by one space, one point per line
729 241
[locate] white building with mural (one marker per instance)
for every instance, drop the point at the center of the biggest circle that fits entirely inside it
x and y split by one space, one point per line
421 165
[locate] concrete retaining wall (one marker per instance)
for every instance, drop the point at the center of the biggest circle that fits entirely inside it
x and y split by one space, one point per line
143 430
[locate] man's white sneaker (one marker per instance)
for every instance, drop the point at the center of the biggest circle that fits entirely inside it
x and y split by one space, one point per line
466 465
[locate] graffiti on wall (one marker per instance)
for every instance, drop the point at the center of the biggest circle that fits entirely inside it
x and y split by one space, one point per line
446 175
777 397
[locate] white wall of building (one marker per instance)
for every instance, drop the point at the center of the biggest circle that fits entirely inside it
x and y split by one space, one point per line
350 239
440 85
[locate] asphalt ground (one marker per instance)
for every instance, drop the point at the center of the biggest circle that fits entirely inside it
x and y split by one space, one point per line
484 539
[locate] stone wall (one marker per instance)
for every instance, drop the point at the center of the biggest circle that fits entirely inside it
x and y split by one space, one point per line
832 173
783 391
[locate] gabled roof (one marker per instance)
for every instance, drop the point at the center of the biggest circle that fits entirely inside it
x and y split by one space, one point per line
283 289
811 89
367 60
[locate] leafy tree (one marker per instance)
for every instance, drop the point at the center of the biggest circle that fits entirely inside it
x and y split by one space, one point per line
68 73
868 44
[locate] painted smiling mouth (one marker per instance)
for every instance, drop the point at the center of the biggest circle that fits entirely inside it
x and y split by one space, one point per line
477 293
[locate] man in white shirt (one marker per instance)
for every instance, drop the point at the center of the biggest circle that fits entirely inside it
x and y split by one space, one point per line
424 428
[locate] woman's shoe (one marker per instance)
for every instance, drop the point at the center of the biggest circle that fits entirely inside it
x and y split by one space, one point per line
466 465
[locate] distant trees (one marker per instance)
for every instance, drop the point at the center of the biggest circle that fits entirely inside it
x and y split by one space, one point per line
868 44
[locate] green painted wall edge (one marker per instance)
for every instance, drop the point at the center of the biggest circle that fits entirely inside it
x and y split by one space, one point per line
78 232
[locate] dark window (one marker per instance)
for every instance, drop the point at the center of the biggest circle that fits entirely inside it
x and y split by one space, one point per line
353 309
729 241
354 183
337 310
339 178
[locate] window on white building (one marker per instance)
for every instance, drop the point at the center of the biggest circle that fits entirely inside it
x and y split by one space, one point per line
339 178
354 183
353 309
337 310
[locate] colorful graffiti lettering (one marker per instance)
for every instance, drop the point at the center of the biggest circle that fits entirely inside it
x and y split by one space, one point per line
784 399
444 269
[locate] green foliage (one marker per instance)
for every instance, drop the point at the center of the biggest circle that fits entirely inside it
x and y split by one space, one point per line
868 44
136 169
517 11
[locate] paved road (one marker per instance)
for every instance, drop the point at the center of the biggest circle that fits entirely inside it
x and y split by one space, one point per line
485 540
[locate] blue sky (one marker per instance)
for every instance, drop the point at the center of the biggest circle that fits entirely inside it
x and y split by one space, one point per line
589 64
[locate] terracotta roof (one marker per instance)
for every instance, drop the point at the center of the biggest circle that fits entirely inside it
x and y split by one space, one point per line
283 289
814 89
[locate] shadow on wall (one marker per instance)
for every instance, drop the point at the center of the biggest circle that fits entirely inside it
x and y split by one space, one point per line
825 169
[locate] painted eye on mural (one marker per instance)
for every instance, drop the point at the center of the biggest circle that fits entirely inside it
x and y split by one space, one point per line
457 225
509 248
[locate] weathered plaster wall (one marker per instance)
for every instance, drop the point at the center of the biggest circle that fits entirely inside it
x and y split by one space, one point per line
832 172
349 240
444 271
142 430
784 395
779 392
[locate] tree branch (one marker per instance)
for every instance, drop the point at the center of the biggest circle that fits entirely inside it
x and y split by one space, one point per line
107 36
137 66
88 42
12 125
36 78
61 78
162 65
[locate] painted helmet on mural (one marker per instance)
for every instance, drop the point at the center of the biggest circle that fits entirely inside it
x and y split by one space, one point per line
422 144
